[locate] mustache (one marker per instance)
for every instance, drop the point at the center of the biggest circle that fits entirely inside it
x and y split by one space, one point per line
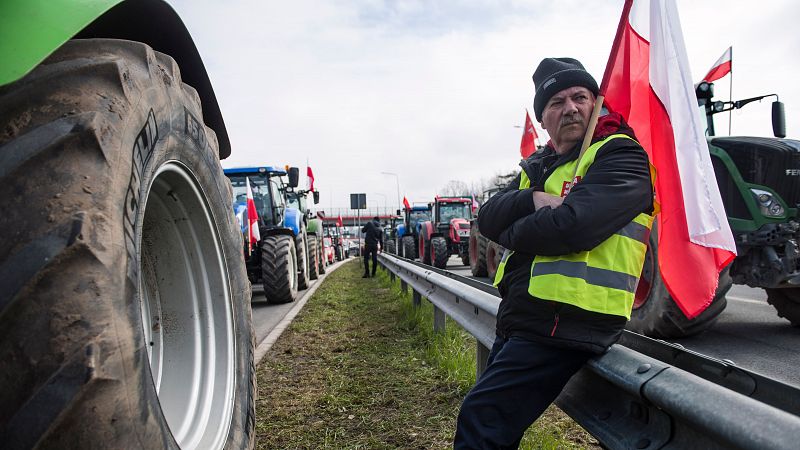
569 120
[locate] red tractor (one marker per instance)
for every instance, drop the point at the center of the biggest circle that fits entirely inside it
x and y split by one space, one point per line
448 233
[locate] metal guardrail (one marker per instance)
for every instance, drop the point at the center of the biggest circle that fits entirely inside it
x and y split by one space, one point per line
671 399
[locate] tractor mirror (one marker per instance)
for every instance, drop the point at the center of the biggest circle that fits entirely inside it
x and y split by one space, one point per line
778 120
316 197
294 176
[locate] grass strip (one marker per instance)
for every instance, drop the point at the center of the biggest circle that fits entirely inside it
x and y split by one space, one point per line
360 367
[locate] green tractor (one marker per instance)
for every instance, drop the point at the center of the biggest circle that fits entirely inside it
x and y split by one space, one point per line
317 264
125 305
759 180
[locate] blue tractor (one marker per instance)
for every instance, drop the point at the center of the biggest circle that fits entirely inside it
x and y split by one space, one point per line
279 260
408 231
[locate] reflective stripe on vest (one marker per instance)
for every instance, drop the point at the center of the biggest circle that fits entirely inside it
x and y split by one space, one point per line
603 279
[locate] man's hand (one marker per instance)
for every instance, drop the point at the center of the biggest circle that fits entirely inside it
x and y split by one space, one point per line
543 199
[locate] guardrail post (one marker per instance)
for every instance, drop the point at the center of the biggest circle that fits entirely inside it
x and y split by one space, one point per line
482 354
417 298
438 320
403 286
391 276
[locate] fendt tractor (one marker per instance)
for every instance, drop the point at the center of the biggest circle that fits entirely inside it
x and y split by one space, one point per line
125 304
484 254
280 259
447 233
407 232
298 199
759 180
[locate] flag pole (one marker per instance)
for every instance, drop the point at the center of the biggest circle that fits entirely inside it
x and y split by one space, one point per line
587 138
730 112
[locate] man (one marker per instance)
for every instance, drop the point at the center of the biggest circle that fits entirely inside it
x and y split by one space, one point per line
576 233
373 238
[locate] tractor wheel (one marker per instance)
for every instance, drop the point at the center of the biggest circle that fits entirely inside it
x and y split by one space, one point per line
477 252
465 259
391 246
424 250
787 302
323 257
656 314
125 307
303 258
493 255
439 252
315 261
409 249
279 268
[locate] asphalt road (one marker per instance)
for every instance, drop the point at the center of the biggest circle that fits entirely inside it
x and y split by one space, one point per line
749 333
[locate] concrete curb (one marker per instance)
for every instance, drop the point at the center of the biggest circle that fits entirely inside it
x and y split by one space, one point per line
263 347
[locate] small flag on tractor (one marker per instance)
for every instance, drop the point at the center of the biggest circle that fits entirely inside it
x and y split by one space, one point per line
722 67
339 221
405 203
475 204
253 234
310 174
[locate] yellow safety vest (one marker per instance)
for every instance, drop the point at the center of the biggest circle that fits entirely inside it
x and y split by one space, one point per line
602 279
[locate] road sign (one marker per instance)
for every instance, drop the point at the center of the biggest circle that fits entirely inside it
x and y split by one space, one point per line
358 201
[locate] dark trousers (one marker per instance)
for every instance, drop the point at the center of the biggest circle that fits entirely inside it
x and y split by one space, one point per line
521 380
368 250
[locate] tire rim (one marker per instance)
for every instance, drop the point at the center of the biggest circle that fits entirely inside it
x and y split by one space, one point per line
645 280
187 311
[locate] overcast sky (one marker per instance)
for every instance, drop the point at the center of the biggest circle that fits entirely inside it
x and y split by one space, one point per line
436 91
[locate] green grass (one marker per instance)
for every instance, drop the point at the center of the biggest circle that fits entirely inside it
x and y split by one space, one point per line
360 367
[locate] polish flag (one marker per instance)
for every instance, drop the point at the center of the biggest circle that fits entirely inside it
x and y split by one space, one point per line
406 204
253 235
310 175
648 81
475 203
722 67
528 144
339 221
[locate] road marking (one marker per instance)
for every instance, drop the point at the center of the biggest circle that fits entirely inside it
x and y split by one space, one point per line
747 300
270 339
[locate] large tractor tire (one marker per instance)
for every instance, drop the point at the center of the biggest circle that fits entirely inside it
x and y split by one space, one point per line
439 252
391 246
465 259
424 250
315 262
323 257
303 259
494 253
656 314
787 302
409 248
477 252
279 268
125 305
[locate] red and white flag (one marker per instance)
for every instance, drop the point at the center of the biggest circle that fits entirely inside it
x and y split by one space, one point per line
310 175
406 204
475 204
528 144
648 81
722 67
339 221
253 235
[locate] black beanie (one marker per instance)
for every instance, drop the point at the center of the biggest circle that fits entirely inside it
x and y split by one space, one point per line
556 74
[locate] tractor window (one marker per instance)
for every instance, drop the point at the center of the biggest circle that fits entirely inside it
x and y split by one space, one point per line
261 193
293 201
449 211
416 217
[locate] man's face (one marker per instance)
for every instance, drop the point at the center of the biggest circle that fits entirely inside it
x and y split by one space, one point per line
566 116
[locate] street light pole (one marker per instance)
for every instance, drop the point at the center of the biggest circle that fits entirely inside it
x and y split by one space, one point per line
397 180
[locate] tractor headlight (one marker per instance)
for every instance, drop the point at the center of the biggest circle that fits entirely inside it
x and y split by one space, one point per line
767 203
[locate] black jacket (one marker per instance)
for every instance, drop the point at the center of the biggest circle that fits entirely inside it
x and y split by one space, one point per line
616 189
373 234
